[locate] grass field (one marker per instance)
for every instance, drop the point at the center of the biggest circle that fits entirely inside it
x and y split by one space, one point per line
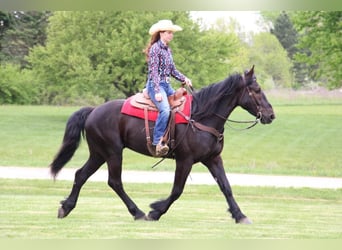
29 208
305 139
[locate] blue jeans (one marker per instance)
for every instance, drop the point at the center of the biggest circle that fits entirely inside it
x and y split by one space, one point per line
163 108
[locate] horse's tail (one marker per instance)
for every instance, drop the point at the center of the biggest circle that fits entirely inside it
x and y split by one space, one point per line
71 140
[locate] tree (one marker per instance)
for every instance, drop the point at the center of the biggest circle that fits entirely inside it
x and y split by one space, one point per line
271 61
209 55
21 31
320 44
228 34
286 34
83 57
6 22
93 53
99 54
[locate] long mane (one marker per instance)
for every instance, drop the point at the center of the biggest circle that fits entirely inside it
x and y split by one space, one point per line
206 100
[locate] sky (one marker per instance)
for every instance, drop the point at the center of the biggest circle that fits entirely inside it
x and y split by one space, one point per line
247 19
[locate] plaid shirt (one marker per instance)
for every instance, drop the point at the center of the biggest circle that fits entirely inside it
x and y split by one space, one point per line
161 65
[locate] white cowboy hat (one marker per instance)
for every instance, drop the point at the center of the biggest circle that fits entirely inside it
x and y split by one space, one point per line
164 25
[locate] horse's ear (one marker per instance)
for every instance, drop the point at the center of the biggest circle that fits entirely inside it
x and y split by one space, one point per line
250 73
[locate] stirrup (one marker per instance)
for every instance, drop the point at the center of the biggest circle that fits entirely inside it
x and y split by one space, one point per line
161 149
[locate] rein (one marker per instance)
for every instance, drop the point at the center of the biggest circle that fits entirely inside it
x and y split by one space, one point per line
253 123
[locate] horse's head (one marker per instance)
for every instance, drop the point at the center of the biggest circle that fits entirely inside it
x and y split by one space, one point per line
254 100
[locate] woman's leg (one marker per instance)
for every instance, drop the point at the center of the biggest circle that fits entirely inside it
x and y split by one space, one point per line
163 116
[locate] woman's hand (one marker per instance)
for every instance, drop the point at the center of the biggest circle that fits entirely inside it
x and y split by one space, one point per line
158 97
187 81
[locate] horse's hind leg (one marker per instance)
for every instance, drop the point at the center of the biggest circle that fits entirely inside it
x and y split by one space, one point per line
81 176
215 167
115 182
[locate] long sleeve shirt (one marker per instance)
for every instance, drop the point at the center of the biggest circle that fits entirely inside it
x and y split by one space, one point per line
161 65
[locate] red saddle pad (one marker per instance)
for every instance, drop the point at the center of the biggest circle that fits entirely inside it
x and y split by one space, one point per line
128 109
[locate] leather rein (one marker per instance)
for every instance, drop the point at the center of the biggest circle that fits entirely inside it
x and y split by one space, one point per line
216 133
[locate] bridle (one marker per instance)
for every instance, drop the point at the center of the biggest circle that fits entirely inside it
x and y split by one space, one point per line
253 123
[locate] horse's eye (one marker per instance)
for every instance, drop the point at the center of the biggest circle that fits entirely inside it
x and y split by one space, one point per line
257 90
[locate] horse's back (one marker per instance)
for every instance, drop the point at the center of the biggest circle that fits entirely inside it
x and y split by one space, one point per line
105 111
104 118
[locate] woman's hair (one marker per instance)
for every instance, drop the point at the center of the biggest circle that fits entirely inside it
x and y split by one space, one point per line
154 38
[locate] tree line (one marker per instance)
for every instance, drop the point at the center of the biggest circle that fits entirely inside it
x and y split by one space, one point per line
80 57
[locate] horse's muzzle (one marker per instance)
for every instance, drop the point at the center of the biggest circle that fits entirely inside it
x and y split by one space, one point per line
267 117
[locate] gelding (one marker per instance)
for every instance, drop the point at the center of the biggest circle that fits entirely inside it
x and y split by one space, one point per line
108 132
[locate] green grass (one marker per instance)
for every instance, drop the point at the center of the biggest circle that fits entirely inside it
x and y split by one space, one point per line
29 209
30 135
305 139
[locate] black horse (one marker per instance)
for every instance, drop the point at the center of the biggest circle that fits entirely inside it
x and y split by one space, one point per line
108 132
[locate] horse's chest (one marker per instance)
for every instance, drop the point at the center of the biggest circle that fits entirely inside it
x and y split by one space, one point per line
208 145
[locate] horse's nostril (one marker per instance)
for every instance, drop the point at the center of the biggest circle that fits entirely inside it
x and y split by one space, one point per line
272 116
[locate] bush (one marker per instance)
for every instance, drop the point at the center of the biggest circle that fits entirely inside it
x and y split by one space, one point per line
17 86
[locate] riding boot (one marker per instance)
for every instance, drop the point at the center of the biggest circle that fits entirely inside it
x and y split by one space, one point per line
161 149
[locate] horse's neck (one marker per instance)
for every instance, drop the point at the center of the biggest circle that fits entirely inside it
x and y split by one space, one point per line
218 118
223 115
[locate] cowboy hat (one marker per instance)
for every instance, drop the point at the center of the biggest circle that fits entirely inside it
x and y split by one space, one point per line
164 25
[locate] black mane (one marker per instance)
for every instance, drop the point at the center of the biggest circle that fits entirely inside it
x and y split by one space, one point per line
206 99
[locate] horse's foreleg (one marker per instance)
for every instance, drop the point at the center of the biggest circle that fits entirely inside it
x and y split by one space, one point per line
215 167
161 207
81 176
115 182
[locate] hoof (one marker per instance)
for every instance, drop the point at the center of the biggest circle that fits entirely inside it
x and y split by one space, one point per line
149 218
61 213
245 221
140 217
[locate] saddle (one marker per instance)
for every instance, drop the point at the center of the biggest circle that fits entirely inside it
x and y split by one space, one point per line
177 102
142 100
